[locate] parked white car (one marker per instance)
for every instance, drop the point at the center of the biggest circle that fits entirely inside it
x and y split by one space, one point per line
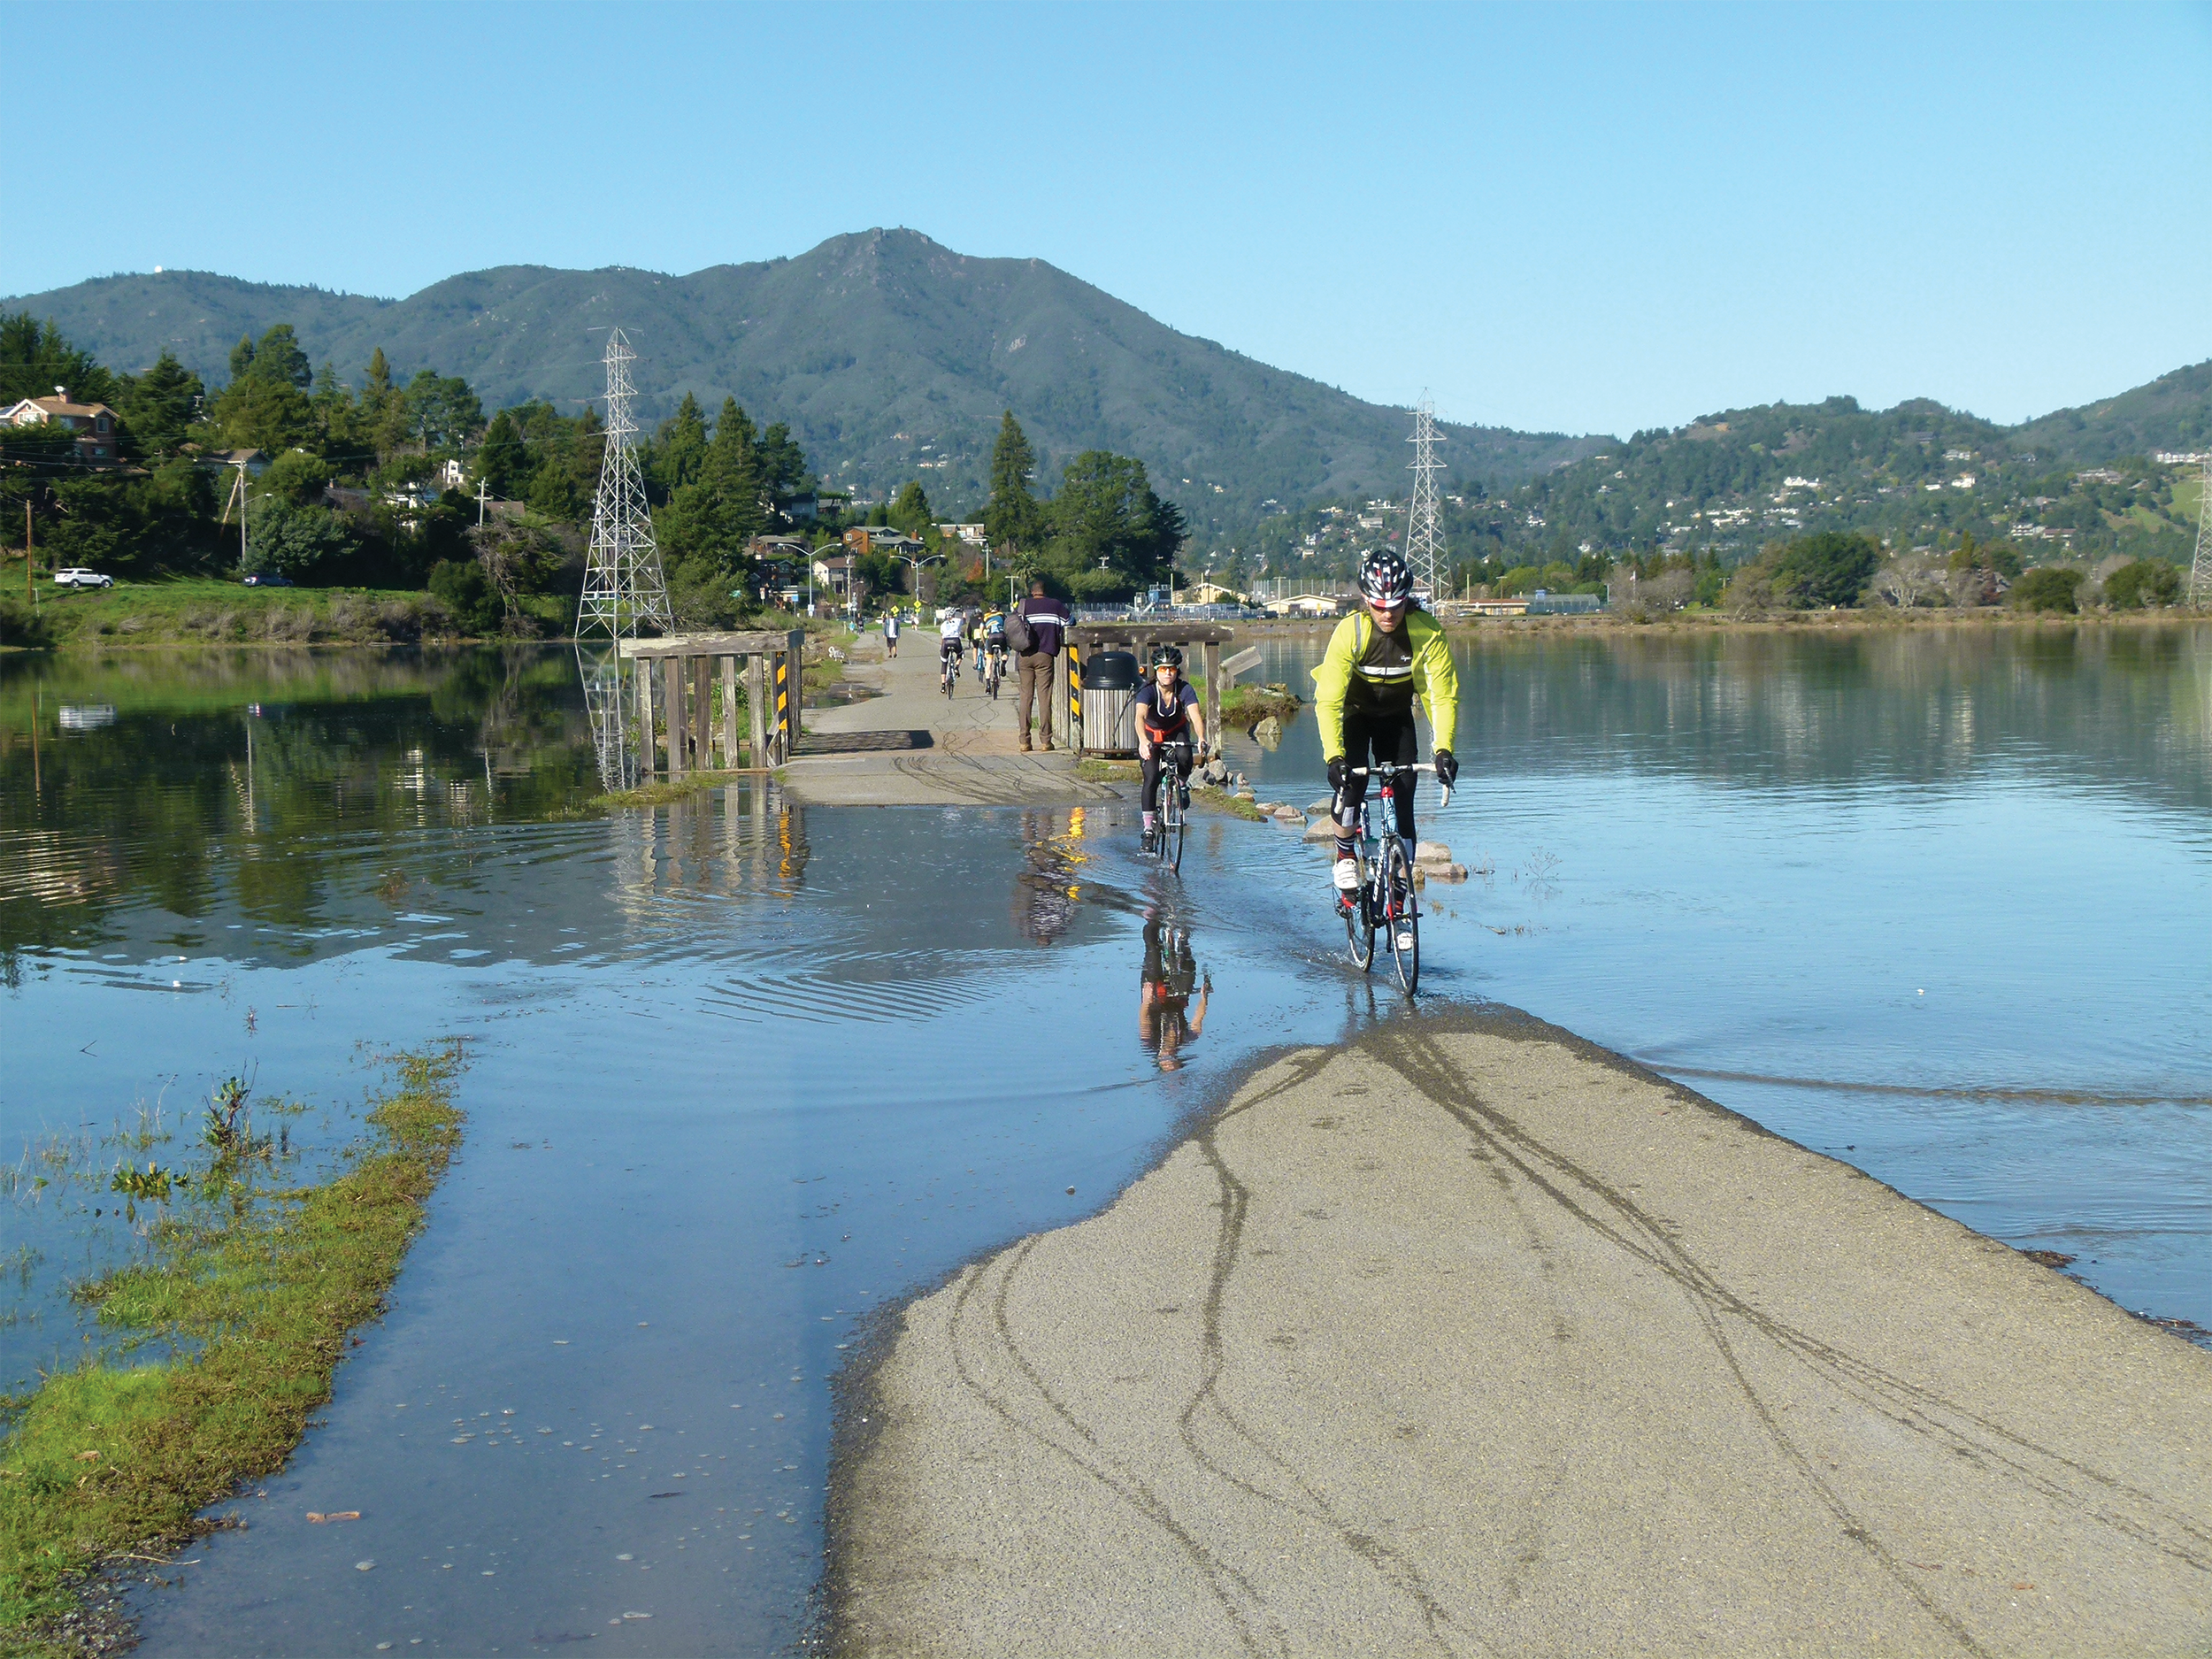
79 576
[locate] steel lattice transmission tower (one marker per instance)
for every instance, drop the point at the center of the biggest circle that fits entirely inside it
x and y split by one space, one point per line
2201 567
623 589
1424 520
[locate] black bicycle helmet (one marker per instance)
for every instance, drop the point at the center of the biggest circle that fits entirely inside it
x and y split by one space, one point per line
1384 579
1166 656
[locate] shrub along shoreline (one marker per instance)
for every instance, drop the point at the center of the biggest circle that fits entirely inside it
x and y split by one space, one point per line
254 1287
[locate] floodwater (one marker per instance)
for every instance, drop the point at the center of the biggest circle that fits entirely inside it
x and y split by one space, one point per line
1935 904
740 1073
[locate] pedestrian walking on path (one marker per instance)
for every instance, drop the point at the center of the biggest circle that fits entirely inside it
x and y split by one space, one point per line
890 633
1039 635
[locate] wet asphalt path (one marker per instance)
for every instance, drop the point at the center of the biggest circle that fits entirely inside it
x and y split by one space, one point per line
1468 1338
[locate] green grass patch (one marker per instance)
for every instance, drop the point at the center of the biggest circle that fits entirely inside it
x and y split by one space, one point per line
1244 707
259 1284
682 789
2188 499
1222 801
206 609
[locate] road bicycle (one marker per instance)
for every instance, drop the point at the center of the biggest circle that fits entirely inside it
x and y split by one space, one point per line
993 669
1383 902
949 671
1173 806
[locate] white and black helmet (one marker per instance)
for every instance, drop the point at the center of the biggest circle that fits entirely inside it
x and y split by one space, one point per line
1384 579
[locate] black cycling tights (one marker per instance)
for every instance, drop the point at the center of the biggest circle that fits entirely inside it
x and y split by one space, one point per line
1150 768
1377 737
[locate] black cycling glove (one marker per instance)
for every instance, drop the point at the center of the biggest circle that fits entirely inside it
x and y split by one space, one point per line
1339 769
1447 767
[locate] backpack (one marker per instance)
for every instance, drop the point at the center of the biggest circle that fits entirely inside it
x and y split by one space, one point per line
1019 635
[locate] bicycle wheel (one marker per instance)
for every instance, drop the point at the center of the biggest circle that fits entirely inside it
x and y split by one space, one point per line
1403 919
1359 927
1171 827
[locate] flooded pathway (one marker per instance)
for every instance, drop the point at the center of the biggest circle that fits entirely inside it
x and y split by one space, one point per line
745 1070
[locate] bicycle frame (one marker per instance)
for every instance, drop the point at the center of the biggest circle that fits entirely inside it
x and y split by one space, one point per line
1381 904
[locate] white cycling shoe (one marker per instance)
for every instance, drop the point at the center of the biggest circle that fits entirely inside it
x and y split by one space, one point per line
1346 875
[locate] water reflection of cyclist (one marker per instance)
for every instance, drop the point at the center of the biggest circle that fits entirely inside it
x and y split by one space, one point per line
1165 1018
1167 713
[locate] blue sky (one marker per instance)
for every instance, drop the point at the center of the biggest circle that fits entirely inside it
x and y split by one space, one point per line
1577 217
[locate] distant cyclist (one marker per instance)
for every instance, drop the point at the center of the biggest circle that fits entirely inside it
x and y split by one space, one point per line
993 642
952 629
1362 695
1167 711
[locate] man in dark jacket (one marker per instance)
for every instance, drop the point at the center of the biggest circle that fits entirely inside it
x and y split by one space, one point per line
1048 621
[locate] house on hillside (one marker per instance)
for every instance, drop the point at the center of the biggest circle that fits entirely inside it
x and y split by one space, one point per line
94 424
837 573
881 538
966 534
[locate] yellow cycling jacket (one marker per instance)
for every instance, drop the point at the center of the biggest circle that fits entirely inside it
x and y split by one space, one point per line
1351 657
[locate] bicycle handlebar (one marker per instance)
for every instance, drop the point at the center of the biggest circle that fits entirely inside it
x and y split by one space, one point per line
1387 769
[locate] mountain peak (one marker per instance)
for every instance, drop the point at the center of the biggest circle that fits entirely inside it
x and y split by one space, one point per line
890 356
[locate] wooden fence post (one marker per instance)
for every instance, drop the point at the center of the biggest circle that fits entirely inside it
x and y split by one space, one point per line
798 690
757 706
703 711
673 690
1211 654
647 760
729 714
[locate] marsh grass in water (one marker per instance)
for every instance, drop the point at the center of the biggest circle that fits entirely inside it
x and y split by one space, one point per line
250 1286
682 789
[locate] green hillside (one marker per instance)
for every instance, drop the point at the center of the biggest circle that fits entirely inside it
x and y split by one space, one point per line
891 357
1918 474
2173 412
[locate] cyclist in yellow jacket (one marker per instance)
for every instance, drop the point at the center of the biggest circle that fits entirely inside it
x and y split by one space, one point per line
1362 695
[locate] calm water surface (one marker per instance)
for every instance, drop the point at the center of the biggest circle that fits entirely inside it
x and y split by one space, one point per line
740 1073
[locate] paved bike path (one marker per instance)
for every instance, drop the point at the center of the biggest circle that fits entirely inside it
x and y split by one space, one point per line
972 755
1471 1339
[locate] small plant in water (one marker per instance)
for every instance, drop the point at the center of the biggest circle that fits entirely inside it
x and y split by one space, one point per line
151 1185
229 1130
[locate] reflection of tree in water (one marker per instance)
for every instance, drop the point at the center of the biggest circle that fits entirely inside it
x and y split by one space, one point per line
1165 1017
255 779
2127 707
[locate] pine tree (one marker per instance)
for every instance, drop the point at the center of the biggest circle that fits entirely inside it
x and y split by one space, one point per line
1014 520
680 448
503 462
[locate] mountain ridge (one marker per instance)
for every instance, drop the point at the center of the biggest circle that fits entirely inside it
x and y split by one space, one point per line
890 356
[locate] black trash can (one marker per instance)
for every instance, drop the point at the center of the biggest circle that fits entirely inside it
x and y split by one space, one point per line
1111 680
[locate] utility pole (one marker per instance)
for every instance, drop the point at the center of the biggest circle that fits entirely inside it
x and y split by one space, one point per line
30 587
479 504
1424 529
238 499
623 588
2201 567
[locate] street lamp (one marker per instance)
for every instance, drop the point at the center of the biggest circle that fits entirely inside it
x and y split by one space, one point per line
916 561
